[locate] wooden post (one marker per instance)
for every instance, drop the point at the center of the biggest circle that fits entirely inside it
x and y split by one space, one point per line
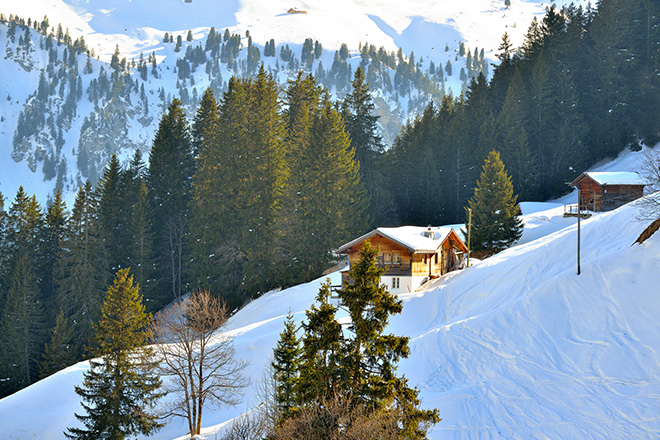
578 236
469 232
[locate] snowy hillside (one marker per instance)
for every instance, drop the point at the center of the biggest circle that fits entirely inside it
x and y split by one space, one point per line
517 346
59 136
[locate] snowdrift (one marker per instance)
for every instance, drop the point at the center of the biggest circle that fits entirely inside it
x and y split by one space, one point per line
518 346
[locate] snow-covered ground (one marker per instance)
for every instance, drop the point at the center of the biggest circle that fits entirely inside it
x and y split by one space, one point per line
517 346
424 26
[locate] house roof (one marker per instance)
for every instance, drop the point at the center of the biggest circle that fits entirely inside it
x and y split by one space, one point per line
410 237
604 178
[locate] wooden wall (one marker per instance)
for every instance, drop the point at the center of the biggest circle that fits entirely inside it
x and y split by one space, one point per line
604 198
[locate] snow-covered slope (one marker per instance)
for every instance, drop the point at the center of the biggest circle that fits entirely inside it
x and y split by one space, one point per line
518 346
422 26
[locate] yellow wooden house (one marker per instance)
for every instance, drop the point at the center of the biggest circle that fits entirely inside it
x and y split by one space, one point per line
412 254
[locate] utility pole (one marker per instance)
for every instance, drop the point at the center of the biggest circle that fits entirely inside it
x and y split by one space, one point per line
578 235
469 233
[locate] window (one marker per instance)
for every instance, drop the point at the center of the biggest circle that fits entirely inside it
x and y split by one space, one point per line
387 258
396 282
436 258
396 258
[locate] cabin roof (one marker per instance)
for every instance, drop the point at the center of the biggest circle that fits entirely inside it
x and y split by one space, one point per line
410 237
604 178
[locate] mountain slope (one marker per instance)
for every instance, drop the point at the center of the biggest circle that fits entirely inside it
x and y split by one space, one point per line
66 137
518 346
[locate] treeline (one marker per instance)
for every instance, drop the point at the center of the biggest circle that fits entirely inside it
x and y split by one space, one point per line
584 84
250 195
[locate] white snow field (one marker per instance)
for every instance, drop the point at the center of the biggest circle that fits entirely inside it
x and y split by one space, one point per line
518 346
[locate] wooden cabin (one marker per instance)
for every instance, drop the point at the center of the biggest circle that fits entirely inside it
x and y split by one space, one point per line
295 11
604 191
412 254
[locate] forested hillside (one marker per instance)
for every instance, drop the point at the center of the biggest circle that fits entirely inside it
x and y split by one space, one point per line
583 85
254 185
67 111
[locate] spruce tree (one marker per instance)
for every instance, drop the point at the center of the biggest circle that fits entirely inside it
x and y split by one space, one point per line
5 252
82 272
55 228
119 391
205 122
60 351
357 369
495 221
111 196
511 135
332 202
23 328
320 371
169 181
140 257
358 111
285 364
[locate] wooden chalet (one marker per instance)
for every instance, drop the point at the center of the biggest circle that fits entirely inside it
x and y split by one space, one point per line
296 11
604 191
412 254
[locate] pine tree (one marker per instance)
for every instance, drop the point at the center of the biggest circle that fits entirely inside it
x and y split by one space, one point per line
23 328
216 212
169 181
370 356
285 364
358 111
358 370
120 390
5 252
54 232
495 221
82 272
111 196
140 247
320 371
60 351
332 201
511 135
205 123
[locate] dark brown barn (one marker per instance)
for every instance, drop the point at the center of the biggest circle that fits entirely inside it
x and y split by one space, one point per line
604 191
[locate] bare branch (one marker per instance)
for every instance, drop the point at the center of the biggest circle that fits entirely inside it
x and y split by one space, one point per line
199 362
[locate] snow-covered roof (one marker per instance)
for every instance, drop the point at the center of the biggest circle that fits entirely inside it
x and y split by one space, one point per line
613 178
414 238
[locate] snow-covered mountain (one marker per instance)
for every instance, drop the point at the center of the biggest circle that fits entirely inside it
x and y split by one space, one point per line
62 133
518 346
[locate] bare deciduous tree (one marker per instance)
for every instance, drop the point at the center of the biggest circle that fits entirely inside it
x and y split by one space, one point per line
198 362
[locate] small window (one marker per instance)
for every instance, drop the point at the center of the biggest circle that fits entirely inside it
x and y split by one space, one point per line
436 258
396 282
396 258
387 258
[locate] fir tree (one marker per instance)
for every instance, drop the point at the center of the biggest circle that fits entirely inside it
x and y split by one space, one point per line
60 351
362 127
285 364
205 123
23 328
82 272
169 181
495 221
320 374
120 390
111 196
54 232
